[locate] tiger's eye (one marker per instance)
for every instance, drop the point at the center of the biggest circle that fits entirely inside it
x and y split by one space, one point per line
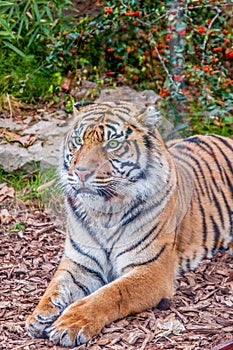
77 141
113 144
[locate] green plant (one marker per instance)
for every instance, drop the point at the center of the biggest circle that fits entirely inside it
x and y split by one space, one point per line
30 21
181 49
26 27
26 184
17 227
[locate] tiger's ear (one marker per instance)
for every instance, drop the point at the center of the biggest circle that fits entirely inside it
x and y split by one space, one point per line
150 117
77 107
76 110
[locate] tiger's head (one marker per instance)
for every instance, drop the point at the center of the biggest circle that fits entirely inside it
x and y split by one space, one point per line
113 153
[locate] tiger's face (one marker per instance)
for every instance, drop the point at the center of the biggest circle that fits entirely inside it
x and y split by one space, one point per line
107 156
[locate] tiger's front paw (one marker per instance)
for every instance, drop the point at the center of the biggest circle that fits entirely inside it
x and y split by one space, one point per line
47 311
76 325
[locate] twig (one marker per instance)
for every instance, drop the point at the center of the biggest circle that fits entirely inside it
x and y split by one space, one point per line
46 185
9 103
162 61
122 3
182 317
178 10
208 30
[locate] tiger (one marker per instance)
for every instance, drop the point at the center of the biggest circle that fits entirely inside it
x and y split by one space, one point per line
139 212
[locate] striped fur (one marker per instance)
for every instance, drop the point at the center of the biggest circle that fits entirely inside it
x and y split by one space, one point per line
138 213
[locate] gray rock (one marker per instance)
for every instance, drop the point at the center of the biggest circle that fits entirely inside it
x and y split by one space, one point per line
125 93
51 128
49 138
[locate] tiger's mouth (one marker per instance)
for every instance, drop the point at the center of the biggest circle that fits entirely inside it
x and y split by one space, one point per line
84 190
100 191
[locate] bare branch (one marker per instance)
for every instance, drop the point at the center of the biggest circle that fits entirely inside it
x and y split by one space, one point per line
208 30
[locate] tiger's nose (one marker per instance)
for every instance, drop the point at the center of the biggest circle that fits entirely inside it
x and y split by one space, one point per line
83 173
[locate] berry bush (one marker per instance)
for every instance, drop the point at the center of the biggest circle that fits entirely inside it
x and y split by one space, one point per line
182 49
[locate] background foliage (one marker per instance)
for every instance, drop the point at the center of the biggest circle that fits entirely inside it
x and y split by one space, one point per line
181 49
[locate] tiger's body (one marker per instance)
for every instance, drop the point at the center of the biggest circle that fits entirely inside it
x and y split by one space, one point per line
138 213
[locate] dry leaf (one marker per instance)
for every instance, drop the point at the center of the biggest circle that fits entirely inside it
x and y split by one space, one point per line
169 325
25 141
5 217
6 191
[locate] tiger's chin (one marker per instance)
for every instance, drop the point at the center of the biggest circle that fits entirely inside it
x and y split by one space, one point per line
100 201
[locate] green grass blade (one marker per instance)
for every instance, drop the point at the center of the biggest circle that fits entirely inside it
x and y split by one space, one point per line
36 10
33 36
6 27
12 47
6 3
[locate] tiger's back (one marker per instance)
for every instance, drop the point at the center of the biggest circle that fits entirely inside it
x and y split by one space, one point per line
207 226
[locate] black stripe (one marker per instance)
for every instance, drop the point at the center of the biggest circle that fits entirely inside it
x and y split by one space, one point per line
204 225
113 128
124 108
229 182
94 273
147 261
137 149
85 289
193 168
147 142
134 210
81 217
223 153
140 205
76 247
110 121
128 132
224 141
66 165
210 193
119 116
125 150
229 210
135 245
219 208
217 233
188 266
154 238
213 155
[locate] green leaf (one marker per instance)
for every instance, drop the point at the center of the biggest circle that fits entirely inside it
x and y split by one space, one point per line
6 27
33 36
49 13
2 33
37 12
228 119
6 3
12 47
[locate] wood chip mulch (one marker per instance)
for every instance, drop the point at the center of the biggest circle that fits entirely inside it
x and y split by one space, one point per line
199 317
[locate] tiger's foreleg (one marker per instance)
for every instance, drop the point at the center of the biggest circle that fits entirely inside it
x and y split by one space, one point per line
137 290
70 282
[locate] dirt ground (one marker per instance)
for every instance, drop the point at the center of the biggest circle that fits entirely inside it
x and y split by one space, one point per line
199 317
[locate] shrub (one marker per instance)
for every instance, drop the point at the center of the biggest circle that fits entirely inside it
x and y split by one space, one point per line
25 28
181 49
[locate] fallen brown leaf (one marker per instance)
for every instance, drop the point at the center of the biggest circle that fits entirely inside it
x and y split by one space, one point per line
6 191
5 217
